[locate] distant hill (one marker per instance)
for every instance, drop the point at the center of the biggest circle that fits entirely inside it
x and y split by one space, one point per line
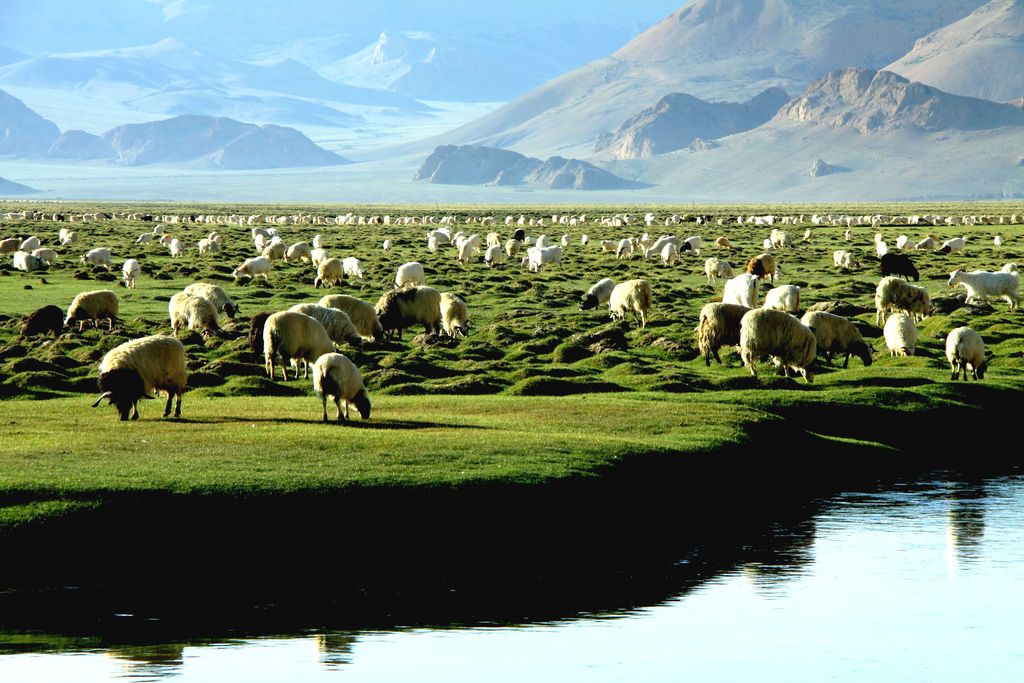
9 187
678 120
982 55
475 165
22 131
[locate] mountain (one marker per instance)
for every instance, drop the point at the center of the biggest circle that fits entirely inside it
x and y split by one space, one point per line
677 120
22 131
218 142
474 165
9 56
870 101
724 50
982 55
77 144
9 187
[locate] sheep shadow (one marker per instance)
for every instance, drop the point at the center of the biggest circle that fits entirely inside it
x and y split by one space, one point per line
354 422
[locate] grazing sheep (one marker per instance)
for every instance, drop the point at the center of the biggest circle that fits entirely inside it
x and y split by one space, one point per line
410 275
258 266
512 247
66 236
669 254
598 294
95 306
49 256
783 298
953 246
98 257
454 315
902 241
337 323
215 295
318 256
144 238
894 294
386 246
137 368
336 376
964 347
275 251
361 313
719 326
723 243
898 264
844 260
519 235
900 334
881 249
927 244
318 242
741 290
353 267
300 251
129 271
763 266
175 248
649 249
717 268
42 320
836 334
329 273
981 284
193 313
538 257
1008 268
29 243
584 240
631 296
542 242
256 324
494 255
9 245
28 263
691 244
403 308
997 241
608 245
624 249
792 346
293 336
208 246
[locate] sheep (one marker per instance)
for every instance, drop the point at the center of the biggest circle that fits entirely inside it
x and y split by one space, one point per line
207 246
901 242
258 266
317 256
953 246
300 251
129 271
691 244
215 295
538 257
42 320
137 368
362 314
97 257
66 236
717 268
927 244
9 245
95 306
385 247
649 249
175 248
982 284
256 324
519 235
584 240
318 242
763 266
49 256
669 254
719 326
836 334
893 293
631 296
997 241
900 334
468 248
898 264
1008 268
598 294
405 307
723 243
881 249
337 323
566 240
608 245
193 313
454 315
337 376
329 273
844 259
28 263
352 266
29 243
624 249
783 298
542 242
275 251
410 275
965 347
295 336
494 255
512 247
765 332
144 238
741 290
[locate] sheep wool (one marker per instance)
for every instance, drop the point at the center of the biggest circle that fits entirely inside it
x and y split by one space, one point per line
362 314
336 376
900 334
403 308
337 323
766 332
292 335
97 305
192 313
137 368
719 326
454 315
215 295
965 348
631 296
836 334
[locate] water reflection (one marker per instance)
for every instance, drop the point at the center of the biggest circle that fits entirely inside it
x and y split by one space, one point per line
148 662
781 555
335 649
966 520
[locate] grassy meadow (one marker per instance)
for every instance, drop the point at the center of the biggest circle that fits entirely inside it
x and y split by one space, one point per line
539 391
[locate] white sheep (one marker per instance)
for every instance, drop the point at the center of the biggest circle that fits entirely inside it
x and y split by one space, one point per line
454 315
844 259
717 268
100 304
894 294
902 241
927 244
719 326
1008 268
337 376
27 262
66 236
538 257
494 255
29 244
792 346
215 295
836 334
900 334
137 368
386 246
353 267
693 244
293 336
981 284
275 251
783 298
669 254
208 246
300 251
129 271
953 246
98 257
361 313
258 266
337 323
318 242
624 249
317 256
741 290
49 256
9 245
512 247
401 308
175 248
410 275
192 313
598 294
631 296
965 347
608 245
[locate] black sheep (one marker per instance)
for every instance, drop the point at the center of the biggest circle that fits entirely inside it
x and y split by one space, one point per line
46 319
256 324
898 264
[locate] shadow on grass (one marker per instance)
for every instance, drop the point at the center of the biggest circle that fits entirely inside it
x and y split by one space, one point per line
353 423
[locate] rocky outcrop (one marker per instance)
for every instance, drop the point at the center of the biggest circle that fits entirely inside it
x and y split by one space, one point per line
821 168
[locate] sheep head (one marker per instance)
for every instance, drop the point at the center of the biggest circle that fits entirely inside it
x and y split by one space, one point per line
122 388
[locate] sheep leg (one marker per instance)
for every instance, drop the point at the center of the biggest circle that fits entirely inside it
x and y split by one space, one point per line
177 405
846 363
167 408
